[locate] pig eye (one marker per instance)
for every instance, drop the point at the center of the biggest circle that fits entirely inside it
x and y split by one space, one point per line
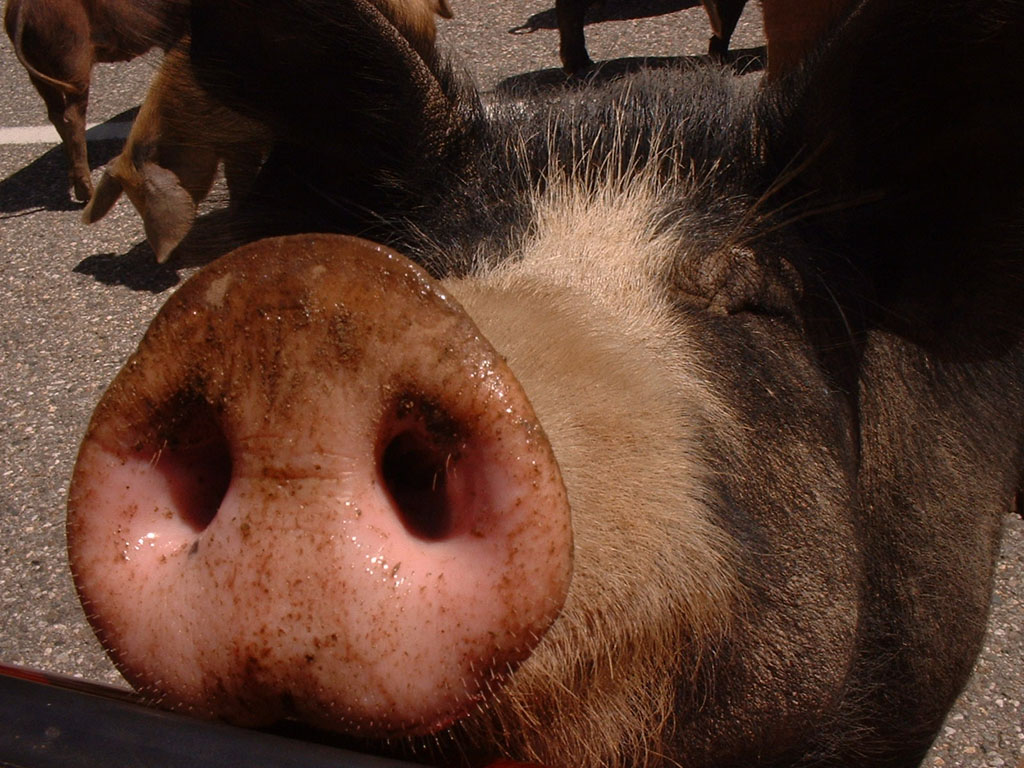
194 459
414 471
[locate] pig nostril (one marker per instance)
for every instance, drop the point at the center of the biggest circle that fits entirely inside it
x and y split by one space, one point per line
195 462
415 474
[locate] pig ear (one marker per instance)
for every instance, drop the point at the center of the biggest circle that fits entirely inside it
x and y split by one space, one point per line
167 209
103 198
902 139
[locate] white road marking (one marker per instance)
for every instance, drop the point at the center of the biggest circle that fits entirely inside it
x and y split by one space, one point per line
47 134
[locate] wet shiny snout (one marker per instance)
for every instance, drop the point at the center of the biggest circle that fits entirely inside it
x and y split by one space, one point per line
315 491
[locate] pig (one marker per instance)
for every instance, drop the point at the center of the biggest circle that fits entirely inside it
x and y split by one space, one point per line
171 156
668 420
572 46
792 29
58 41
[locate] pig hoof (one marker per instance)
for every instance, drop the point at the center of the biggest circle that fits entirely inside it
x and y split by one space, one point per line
578 67
82 190
718 50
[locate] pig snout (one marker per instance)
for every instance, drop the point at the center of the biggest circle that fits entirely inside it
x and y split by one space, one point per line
316 491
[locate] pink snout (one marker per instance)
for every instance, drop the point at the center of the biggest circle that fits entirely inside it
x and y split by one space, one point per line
315 491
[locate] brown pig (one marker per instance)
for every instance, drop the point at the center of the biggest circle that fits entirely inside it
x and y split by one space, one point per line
58 41
180 136
657 422
171 156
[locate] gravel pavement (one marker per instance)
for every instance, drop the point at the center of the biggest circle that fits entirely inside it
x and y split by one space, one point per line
75 301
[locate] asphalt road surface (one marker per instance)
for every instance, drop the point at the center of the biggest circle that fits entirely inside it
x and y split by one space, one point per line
74 301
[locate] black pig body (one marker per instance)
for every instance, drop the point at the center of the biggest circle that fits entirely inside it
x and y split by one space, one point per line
572 46
772 334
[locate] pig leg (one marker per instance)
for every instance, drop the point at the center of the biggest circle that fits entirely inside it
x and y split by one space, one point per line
66 110
572 46
723 15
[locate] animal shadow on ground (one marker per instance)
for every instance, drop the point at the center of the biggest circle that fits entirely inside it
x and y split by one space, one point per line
744 60
43 183
607 10
138 269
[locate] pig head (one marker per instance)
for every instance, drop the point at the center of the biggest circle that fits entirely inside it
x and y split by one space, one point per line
762 345
58 41
171 157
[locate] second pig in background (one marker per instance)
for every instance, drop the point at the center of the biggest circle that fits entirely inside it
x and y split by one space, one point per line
181 136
